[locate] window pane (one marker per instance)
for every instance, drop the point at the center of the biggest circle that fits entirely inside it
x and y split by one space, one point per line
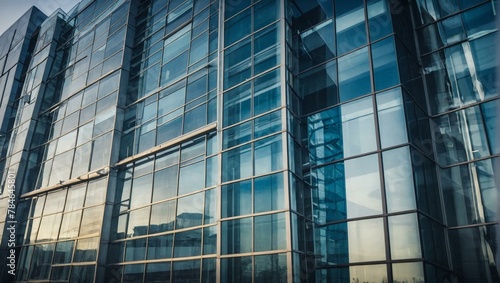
268 155
135 250
267 124
137 222
190 211
358 129
162 217
235 236
391 117
64 252
187 183
385 66
187 243
354 76
237 135
357 241
235 199
237 269
86 250
350 23
237 63
186 271
399 188
237 105
269 232
317 45
210 240
271 268
268 193
379 18
141 191
158 272
403 234
237 27
237 163
165 183
267 92
160 247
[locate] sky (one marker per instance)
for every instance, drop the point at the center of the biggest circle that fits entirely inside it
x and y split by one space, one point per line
11 10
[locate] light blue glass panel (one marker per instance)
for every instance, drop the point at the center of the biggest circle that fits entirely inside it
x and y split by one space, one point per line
350 25
267 124
385 65
160 246
265 12
408 271
237 163
158 272
237 63
354 75
177 43
210 240
141 191
391 118
138 222
165 183
379 18
237 27
190 211
211 215
266 49
268 193
404 236
186 271
236 236
192 178
237 105
267 92
135 250
237 135
162 217
399 187
236 269
269 232
270 268
236 199
268 155
187 243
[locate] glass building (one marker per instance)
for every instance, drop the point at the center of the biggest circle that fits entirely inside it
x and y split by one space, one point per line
251 141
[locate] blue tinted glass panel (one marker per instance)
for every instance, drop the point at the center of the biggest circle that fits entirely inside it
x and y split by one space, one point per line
385 65
268 193
236 236
187 243
235 199
354 75
237 163
350 24
269 232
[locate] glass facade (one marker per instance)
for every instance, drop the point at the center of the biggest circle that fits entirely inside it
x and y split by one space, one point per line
251 140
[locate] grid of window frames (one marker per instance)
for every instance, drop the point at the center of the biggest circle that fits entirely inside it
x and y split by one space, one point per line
166 210
457 40
62 239
82 121
254 222
172 39
358 115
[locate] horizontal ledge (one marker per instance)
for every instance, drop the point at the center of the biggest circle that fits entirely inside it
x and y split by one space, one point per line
168 144
103 171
